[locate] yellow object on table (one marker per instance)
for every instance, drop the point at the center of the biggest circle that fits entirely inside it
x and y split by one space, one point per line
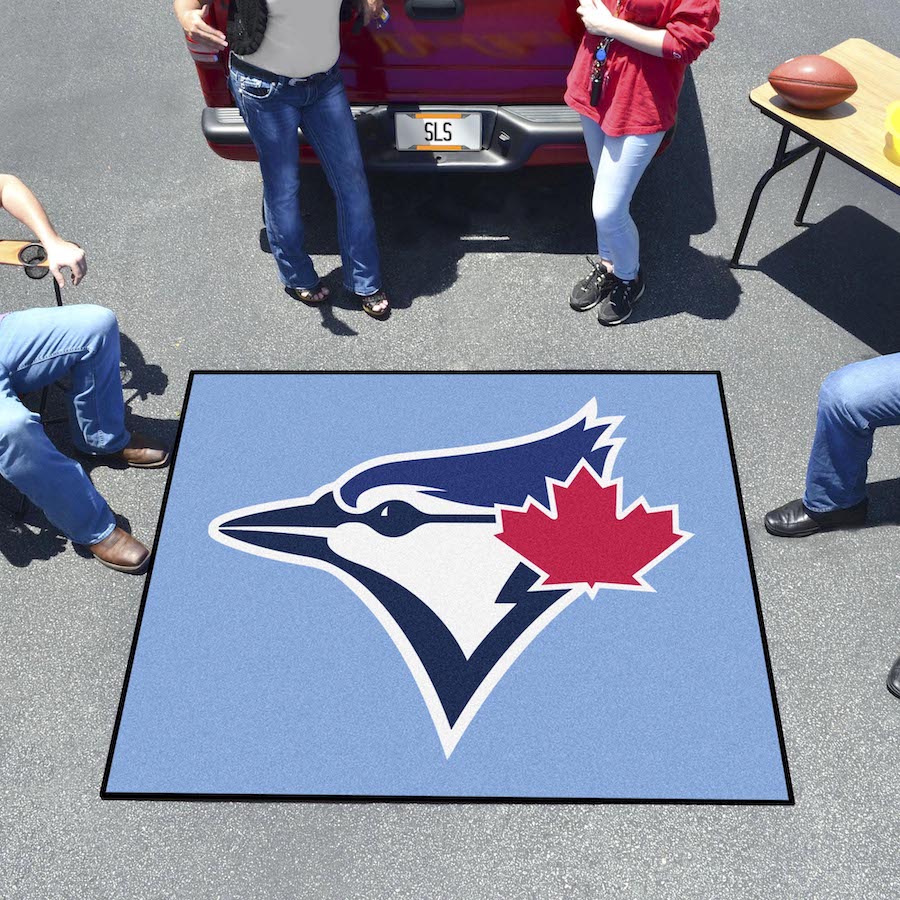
892 139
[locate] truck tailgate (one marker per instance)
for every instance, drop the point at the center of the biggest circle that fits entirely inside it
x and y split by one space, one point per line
476 51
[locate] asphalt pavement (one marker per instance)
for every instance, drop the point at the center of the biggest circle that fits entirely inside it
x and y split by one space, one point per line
100 116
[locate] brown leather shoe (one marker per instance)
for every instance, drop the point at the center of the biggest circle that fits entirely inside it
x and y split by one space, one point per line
143 452
122 552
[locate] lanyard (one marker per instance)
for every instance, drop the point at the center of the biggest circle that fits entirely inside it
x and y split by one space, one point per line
600 57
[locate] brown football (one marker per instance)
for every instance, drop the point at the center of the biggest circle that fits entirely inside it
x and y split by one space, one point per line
812 82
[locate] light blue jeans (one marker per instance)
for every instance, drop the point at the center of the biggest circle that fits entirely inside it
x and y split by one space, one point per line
618 164
853 402
273 109
38 347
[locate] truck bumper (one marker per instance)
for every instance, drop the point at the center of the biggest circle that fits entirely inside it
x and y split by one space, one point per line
512 136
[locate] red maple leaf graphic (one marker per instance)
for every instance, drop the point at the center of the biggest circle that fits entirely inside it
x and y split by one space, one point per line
588 542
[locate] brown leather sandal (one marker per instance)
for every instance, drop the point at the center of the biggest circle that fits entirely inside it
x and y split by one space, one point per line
309 295
370 303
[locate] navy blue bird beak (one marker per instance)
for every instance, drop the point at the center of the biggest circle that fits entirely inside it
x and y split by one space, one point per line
290 529
324 513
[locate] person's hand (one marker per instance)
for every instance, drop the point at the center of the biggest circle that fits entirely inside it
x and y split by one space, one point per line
202 34
597 18
65 255
371 10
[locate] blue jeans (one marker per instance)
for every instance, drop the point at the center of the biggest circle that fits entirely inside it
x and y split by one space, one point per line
273 109
853 402
38 347
618 164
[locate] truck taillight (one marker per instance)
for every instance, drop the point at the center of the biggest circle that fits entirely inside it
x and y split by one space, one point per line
200 55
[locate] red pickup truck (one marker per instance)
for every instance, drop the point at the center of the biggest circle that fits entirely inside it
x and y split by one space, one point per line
448 84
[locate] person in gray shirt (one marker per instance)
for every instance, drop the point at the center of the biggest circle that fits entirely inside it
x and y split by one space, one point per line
283 74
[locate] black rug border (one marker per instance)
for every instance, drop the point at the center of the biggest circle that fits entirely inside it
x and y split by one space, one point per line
106 794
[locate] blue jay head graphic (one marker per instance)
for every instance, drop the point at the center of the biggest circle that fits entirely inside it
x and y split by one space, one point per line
415 537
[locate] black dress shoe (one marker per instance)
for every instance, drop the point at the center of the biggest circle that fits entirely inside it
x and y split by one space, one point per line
795 520
893 679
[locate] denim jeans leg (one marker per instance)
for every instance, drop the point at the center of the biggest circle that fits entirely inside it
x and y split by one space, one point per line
52 482
329 126
853 402
618 163
41 346
594 139
273 123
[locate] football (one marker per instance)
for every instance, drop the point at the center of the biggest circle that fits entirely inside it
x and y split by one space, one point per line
812 82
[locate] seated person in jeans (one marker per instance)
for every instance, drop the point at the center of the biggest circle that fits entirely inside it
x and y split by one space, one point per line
40 346
853 402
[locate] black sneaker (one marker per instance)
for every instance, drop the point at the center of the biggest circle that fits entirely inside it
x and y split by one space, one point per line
618 305
588 292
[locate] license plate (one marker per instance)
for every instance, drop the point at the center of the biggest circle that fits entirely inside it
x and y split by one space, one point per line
438 131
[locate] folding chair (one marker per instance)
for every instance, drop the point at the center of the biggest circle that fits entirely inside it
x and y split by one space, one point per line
32 259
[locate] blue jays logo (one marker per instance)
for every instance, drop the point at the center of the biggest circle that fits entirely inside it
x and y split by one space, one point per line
466 555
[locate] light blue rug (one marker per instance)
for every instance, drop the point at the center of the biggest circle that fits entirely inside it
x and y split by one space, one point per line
530 586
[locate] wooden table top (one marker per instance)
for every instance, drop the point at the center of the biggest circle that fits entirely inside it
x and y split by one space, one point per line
854 129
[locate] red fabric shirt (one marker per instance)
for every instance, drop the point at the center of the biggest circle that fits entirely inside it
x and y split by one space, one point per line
640 91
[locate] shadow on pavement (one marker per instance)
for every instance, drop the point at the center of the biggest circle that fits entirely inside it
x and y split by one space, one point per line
427 223
845 267
138 375
884 502
21 543
673 202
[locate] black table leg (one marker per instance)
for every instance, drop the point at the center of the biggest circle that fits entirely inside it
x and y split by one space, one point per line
22 508
783 159
810 187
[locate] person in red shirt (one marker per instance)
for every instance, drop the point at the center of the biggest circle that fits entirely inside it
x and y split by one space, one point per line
625 82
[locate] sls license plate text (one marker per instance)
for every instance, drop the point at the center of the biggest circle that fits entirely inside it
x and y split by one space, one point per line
438 131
